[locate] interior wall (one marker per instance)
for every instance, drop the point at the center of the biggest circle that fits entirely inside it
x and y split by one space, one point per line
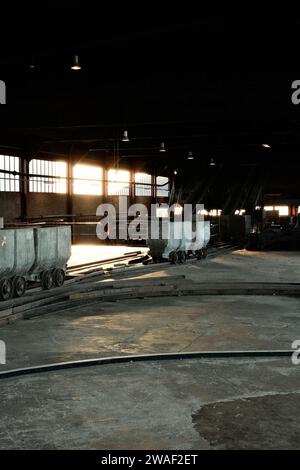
48 204
42 204
83 205
45 204
10 206
85 232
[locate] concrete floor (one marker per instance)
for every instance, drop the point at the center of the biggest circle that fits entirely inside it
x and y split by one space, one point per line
187 405
242 265
219 404
156 325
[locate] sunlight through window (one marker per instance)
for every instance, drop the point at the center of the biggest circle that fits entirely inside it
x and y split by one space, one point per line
142 184
283 210
88 180
57 172
118 182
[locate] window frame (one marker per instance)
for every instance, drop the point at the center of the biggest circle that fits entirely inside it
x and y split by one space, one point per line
143 188
160 191
111 190
48 169
10 183
81 181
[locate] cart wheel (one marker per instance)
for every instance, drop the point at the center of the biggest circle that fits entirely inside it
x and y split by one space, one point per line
59 277
199 254
181 257
6 289
174 257
47 280
19 286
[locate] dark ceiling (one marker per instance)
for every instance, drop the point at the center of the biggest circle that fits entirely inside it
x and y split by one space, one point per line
215 85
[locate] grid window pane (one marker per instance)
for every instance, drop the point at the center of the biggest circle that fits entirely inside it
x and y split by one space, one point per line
9 182
142 184
118 182
57 171
283 210
162 189
88 180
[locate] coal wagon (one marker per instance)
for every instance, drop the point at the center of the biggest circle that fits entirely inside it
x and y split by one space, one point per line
37 254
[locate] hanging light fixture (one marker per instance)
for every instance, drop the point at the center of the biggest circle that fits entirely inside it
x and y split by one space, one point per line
212 162
175 172
190 156
266 146
162 147
76 65
32 63
125 137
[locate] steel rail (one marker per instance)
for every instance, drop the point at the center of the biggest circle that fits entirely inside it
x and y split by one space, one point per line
145 358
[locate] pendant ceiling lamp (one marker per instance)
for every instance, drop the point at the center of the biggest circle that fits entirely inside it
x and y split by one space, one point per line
76 65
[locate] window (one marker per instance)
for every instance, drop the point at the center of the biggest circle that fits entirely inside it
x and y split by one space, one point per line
88 180
118 183
57 171
202 212
9 182
283 210
162 189
164 210
240 212
142 184
215 212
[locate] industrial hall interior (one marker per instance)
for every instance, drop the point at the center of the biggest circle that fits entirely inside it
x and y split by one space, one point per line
149 230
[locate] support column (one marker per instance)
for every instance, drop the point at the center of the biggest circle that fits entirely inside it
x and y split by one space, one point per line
24 187
71 217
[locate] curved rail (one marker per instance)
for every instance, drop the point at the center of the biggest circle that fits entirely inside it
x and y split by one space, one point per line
143 358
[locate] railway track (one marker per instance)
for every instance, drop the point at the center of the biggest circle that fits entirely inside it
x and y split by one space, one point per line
201 355
173 286
84 285
129 258
137 257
